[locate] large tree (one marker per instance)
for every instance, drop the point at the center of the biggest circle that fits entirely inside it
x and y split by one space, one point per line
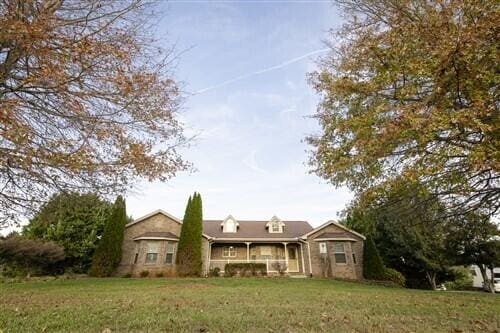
74 221
87 100
108 254
410 91
411 238
189 261
475 240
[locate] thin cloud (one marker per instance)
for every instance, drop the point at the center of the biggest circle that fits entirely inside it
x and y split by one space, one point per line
251 162
262 71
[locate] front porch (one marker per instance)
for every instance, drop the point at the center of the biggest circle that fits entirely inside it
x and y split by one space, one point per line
284 256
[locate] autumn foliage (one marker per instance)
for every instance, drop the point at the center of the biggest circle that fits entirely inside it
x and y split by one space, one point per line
410 91
87 102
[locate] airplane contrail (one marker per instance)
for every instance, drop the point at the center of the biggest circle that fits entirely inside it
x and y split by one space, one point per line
262 71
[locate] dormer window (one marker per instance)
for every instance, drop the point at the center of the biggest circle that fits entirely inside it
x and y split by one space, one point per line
230 224
275 225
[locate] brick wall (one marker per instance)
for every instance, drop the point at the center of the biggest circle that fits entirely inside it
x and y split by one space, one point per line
326 266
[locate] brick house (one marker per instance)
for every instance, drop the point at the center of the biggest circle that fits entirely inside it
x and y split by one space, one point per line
330 250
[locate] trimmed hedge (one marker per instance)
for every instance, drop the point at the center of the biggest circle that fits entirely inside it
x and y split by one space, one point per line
395 276
245 269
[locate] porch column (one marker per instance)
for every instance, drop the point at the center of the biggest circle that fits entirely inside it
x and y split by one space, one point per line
286 257
302 257
248 250
209 255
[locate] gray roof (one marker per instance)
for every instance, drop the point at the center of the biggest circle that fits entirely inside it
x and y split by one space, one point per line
256 229
152 234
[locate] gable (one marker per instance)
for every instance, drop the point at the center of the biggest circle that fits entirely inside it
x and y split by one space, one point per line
156 222
153 223
331 229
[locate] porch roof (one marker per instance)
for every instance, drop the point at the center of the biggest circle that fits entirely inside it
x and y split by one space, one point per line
256 230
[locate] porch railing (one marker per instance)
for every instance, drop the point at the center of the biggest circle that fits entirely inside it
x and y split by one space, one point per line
270 263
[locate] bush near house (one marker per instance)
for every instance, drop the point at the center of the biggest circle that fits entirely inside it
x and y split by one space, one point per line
245 269
395 277
22 256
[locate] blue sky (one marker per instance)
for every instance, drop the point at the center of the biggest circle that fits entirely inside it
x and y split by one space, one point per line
244 64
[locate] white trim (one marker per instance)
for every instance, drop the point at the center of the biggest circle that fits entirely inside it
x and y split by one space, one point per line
272 221
323 248
156 238
235 222
159 211
269 240
324 225
229 252
302 257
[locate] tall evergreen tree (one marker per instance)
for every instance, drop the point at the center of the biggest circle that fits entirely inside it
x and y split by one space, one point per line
109 249
188 260
373 267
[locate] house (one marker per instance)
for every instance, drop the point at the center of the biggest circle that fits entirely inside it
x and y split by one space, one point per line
330 250
477 277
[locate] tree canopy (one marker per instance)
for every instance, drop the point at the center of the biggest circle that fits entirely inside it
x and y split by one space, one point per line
74 221
410 237
475 240
410 92
88 101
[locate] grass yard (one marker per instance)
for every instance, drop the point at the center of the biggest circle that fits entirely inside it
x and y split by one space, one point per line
238 305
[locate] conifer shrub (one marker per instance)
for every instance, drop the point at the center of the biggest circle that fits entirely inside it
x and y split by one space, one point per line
373 266
108 253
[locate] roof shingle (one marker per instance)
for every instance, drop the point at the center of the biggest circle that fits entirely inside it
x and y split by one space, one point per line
256 229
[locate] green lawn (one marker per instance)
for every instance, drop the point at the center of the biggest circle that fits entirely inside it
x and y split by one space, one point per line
238 305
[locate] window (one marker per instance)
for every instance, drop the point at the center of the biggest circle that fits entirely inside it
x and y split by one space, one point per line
322 248
266 252
275 225
152 252
169 257
229 224
292 254
354 258
229 251
339 253
136 258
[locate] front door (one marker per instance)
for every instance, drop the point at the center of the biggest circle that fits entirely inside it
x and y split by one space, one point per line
293 262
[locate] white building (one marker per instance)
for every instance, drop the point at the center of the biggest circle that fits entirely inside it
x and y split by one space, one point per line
477 277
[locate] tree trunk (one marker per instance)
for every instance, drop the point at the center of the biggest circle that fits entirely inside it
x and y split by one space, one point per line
487 283
431 278
492 278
